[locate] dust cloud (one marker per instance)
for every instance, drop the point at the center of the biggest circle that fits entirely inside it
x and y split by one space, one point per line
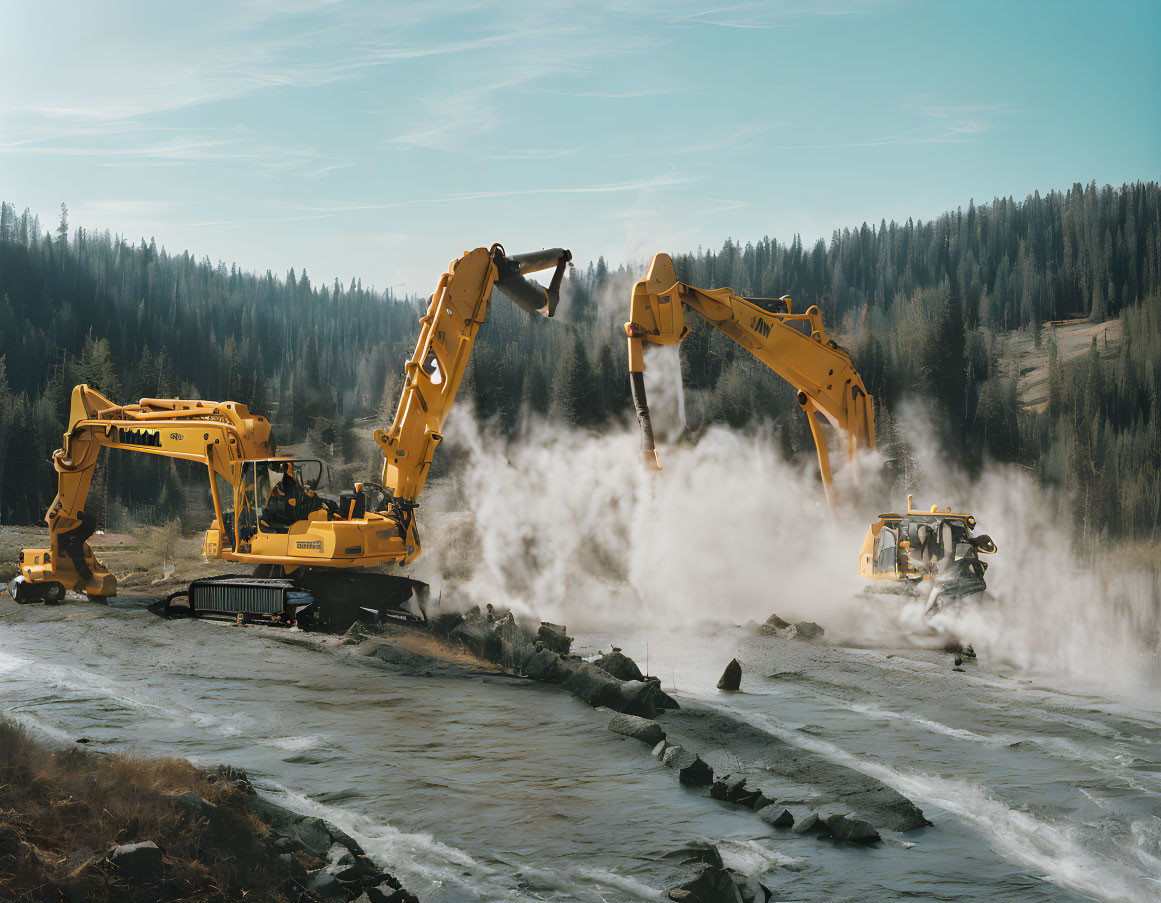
564 524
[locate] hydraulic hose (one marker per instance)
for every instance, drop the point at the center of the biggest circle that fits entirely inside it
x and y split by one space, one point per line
641 405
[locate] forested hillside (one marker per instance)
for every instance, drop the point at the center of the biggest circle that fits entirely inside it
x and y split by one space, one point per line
922 306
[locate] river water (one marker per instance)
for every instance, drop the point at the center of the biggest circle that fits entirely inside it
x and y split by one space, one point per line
485 787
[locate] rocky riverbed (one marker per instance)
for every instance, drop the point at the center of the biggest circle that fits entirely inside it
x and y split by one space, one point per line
488 760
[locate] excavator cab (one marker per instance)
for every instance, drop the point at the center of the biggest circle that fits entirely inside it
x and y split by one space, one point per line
275 494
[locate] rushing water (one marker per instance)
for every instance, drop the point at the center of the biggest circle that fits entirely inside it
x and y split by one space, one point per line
492 788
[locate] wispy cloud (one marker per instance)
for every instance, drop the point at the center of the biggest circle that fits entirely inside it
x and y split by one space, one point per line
652 183
724 204
536 154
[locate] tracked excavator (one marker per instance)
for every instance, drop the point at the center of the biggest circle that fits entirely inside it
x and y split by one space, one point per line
310 556
906 550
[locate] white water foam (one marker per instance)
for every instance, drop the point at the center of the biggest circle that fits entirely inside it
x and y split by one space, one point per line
436 871
1056 851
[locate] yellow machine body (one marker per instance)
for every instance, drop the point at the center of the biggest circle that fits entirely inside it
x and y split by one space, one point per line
830 390
795 346
236 449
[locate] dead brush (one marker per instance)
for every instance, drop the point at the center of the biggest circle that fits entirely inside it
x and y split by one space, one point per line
62 812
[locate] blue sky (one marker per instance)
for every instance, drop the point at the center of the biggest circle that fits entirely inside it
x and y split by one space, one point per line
381 140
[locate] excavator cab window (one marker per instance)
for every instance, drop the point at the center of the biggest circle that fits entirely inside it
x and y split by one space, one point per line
281 493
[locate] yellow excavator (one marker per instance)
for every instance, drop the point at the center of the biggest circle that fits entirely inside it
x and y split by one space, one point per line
309 554
830 390
795 346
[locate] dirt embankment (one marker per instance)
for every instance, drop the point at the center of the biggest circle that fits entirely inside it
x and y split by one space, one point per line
1073 338
81 826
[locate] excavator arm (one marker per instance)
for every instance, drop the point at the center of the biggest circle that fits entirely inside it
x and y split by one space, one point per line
793 345
446 338
218 435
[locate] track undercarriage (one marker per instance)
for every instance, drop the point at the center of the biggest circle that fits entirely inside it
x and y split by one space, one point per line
323 599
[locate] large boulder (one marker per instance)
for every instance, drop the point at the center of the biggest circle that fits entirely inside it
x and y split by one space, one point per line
691 769
801 630
711 884
444 623
643 729
731 678
599 688
619 665
325 885
812 824
516 643
705 853
807 630
776 816
750 888
548 666
730 789
851 829
140 863
773 627
553 636
478 637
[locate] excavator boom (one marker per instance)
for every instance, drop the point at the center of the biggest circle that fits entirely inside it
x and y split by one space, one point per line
795 346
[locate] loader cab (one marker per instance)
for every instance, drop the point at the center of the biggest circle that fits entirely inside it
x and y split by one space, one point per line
922 544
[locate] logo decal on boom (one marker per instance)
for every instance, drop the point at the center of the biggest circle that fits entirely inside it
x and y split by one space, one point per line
151 438
311 545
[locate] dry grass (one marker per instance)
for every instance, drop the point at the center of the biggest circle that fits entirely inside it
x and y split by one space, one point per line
61 812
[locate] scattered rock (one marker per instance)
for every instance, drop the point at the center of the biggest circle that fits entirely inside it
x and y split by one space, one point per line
730 789
958 660
851 829
812 824
750 888
291 866
731 678
139 862
478 637
773 627
597 688
777 817
659 750
802 630
443 624
619 665
326 885
193 806
554 638
808 630
712 884
691 770
313 835
385 893
642 729
516 643
548 666
705 853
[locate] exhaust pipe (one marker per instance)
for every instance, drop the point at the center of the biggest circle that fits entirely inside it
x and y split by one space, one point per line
533 297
